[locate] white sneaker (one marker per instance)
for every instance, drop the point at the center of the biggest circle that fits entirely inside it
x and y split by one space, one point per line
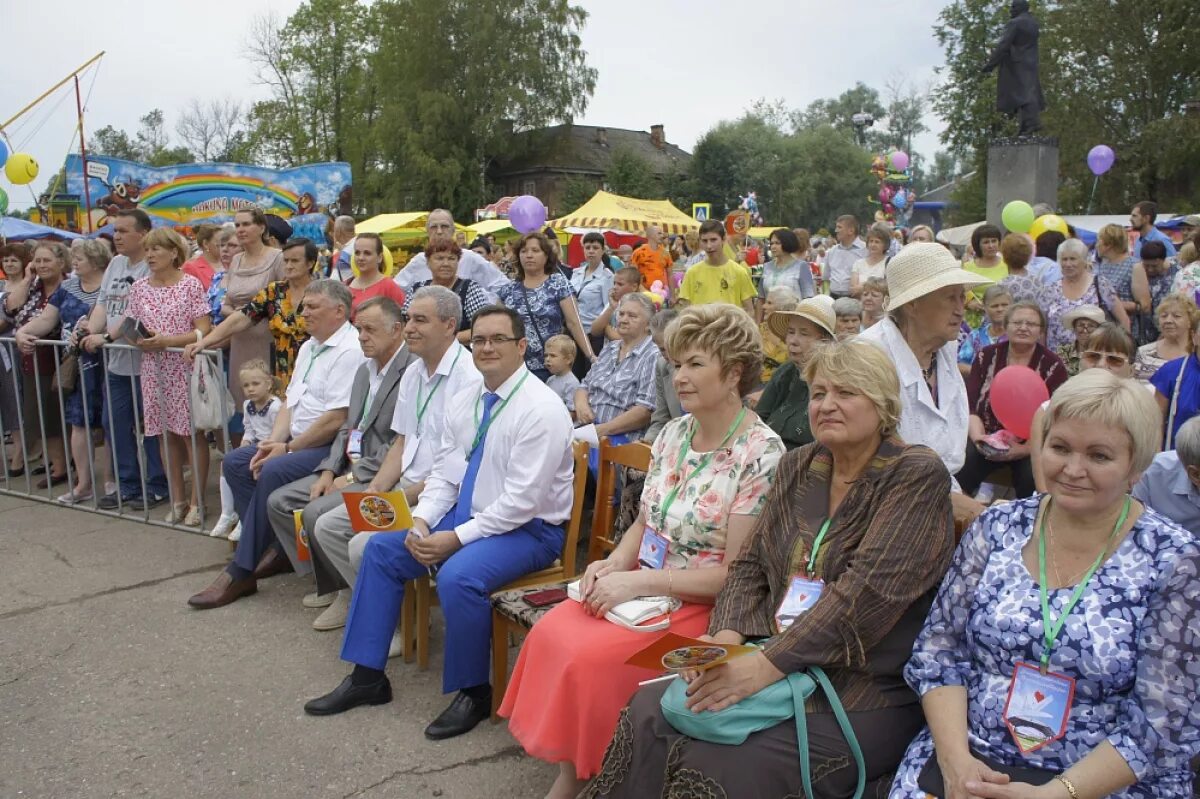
236 533
224 526
334 616
397 645
315 600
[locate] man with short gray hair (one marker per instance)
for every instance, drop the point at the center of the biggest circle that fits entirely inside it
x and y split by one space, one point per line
316 405
1171 485
471 265
443 368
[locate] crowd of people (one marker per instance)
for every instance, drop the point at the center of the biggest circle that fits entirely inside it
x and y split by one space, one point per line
995 615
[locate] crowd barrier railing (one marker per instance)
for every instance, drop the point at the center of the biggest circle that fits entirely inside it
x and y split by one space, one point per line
33 414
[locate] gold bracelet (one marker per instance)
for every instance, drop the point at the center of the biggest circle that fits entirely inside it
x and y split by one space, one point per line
670 580
1070 786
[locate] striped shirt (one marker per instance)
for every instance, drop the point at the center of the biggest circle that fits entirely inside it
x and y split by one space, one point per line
615 386
882 560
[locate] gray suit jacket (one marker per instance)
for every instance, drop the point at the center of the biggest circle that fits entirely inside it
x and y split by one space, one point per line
377 427
666 401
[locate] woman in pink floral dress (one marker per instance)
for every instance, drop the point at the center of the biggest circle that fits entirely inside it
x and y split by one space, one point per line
708 479
173 307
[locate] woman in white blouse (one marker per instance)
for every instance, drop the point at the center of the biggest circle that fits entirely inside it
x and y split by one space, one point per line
879 238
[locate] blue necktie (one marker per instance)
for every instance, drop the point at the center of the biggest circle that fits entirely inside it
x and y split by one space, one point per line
466 492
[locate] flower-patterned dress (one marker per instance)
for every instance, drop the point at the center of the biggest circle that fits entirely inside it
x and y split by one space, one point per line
170 311
1056 305
287 326
1130 644
539 308
571 681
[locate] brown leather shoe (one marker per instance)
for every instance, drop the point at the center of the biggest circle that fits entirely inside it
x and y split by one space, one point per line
223 591
273 562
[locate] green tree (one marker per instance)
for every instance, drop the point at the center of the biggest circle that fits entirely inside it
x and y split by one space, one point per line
151 143
455 77
838 112
1123 84
632 175
577 192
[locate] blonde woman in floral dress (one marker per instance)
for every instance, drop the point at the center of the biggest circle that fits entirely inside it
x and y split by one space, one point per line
708 479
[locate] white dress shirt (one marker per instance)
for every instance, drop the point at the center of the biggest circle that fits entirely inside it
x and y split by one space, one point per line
839 261
324 376
454 375
527 468
471 265
941 426
375 379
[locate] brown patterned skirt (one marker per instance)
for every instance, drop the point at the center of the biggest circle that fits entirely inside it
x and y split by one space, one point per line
648 758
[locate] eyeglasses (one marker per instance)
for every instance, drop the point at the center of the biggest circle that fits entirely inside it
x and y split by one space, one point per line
493 341
1111 359
1030 325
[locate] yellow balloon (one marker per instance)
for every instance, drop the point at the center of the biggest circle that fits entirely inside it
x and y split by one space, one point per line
21 168
1048 222
385 270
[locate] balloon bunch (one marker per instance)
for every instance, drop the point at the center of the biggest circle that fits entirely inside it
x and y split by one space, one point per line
895 186
655 294
1018 217
749 204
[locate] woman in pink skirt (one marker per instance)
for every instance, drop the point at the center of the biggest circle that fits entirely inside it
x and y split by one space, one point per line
708 479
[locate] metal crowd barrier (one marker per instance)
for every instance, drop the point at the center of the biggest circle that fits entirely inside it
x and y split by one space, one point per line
13 387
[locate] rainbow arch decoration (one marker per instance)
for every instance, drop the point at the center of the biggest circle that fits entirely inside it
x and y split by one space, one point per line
189 194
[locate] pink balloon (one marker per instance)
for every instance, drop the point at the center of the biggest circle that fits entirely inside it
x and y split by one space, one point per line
526 214
900 160
1017 392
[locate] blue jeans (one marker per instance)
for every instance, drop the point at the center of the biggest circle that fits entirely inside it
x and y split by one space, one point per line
465 582
124 400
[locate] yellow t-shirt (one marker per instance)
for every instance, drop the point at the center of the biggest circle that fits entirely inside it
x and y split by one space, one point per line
730 282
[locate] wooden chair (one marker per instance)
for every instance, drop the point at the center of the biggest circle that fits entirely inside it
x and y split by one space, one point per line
420 596
633 456
511 614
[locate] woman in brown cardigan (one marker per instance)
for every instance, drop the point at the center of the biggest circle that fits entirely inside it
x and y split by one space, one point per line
885 510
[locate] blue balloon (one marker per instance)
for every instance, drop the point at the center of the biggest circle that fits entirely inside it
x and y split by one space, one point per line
901 199
3 153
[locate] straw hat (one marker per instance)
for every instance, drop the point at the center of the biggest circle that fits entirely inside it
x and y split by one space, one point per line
922 268
1092 312
818 310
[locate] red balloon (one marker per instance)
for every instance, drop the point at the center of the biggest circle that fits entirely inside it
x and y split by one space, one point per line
1017 392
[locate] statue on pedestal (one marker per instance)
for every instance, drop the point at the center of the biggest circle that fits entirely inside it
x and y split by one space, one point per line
1019 89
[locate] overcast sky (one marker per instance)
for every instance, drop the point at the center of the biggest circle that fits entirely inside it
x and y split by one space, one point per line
685 65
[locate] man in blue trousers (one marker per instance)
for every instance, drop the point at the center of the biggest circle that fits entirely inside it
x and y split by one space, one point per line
491 511
316 405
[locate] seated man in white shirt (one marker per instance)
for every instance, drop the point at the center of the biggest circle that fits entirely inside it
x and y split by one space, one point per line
444 370
317 401
492 510
358 450
471 265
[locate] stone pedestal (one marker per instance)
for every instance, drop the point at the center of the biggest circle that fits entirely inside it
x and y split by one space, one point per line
1021 169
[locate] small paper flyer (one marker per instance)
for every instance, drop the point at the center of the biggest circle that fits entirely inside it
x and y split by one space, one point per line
371 512
677 653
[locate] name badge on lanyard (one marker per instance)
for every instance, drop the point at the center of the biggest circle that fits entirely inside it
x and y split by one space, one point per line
354 444
804 589
1038 706
652 554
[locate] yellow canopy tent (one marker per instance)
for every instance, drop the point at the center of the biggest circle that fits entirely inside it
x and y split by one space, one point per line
402 229
762 232
607 211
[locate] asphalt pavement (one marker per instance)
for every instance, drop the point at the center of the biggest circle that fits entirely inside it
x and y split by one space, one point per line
111 686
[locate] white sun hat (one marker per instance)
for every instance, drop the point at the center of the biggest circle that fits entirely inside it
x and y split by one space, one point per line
922 268
1086 311
818 310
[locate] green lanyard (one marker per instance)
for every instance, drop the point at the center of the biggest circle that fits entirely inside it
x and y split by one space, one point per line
687 445
816 547
423 405
482 431
317 353
1050 630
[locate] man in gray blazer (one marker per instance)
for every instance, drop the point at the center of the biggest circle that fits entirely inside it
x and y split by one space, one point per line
362 442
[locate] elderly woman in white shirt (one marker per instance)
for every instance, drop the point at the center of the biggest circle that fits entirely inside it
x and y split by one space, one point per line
927 290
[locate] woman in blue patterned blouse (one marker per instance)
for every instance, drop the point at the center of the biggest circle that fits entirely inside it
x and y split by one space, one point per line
1060 656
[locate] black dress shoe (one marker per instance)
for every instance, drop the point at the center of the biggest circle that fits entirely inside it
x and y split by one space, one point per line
462 716
348 695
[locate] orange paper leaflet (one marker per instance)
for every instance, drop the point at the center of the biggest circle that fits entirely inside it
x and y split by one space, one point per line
679 653
370 512
301 536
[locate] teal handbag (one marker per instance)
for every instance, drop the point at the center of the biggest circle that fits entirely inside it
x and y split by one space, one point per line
778 702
